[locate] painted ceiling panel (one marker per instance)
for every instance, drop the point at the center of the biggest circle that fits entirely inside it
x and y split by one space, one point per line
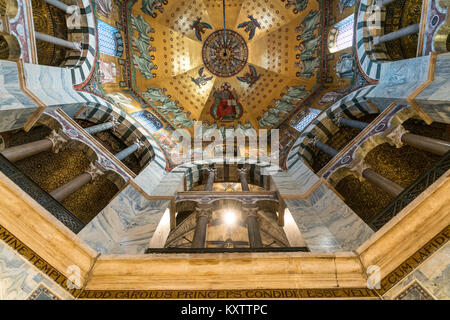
181 15
177 37
270 15
215 10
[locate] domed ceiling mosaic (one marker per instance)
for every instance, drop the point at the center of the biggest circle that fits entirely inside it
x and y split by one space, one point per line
255 72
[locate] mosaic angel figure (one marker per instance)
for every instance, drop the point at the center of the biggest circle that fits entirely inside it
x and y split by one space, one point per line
144 48
250 77
202 78
142 27
182 119
295 93
308 67
169 106
250 26
270 118
151 6
156 94
200 28
299 5
309 22
307 49
145 67
283 106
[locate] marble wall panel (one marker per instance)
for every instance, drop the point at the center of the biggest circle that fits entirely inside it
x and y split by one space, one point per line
19 279
431 280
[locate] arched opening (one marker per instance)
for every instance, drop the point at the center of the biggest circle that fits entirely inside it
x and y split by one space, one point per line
401 165
113 144
343 136
52 168
340 36
51 21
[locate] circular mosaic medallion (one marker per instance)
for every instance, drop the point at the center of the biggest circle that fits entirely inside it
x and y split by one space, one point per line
225 56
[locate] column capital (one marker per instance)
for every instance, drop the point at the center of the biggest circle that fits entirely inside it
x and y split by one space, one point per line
140 144
212 171
313 141
336 118
58 141
395 136
115 122
95 170
203 210
242 170
250 210
358 166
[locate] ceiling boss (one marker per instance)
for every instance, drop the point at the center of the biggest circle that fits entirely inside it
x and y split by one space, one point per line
225 52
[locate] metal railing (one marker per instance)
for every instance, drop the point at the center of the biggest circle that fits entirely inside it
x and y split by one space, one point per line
42 197
225 250
410 193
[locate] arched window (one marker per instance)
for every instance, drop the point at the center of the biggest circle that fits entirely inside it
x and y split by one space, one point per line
306 117
109 39
341 35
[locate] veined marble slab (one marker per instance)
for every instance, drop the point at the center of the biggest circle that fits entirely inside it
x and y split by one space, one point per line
19 278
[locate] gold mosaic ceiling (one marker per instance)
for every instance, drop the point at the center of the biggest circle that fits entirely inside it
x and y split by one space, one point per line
178 55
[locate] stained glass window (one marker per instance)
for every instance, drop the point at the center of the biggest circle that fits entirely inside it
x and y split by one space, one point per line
341 35
109 39
306 118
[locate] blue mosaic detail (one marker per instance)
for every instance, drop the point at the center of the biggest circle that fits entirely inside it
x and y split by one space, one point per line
110 41
148 120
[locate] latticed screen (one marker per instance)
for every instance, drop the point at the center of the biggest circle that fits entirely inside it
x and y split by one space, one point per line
109 39
309 115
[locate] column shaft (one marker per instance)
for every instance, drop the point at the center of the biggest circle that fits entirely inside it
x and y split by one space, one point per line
24 151
126 152
57 41
210 181
254 235
60 5
100 127
244 182
70 187
200 232
353 123
326 148
400 33
436 146
387 185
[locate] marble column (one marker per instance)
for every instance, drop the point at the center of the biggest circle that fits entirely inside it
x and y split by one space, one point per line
53 142
324 147
129 150
203 216
100 127
210 181
400 33
352 123
77 183
377 179
254 234
243 178
57 41
61 5
400 136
